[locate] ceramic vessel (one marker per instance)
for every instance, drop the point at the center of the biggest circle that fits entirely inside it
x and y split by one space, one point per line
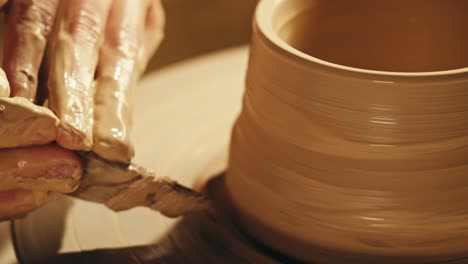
350 149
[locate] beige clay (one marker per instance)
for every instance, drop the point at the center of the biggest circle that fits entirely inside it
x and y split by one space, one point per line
335 164
24 124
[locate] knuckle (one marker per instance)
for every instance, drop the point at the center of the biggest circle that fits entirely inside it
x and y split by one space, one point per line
27 80
37 13
86 25
123 44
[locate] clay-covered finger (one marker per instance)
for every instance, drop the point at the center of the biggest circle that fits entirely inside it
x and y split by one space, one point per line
117 71
4 85
18 202
72 59
40 168
22 123
28 24
153 34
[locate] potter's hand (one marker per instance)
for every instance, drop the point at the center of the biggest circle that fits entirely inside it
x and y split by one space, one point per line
114 39
109 41
30 175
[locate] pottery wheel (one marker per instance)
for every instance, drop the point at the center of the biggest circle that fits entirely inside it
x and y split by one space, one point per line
172 103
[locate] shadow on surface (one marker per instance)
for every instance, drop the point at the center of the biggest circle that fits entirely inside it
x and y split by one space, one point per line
201 238
55 214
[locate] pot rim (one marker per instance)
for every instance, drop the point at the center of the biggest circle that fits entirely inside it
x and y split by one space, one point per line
264 20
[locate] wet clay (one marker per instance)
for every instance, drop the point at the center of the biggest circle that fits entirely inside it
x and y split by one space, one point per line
120 66
112 131
26 34
330 164
121 187
71 87
24 124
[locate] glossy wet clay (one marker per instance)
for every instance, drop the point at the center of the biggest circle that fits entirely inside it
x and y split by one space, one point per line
399 35
334 164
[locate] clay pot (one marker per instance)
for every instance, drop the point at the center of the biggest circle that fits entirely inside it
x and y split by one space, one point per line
351 149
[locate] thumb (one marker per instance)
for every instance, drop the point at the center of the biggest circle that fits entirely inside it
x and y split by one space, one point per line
4 85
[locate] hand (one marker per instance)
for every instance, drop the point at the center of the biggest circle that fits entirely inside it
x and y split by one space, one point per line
30 176
95 49
94 52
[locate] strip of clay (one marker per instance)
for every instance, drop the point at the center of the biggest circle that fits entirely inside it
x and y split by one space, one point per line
122 187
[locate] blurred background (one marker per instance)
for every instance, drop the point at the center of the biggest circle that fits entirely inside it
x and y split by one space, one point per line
197 27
